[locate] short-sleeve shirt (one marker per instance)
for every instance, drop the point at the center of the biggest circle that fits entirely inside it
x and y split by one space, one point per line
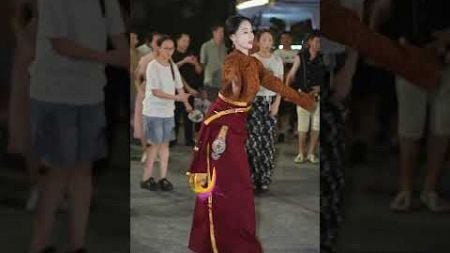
275 65
61 79
212 58
159 77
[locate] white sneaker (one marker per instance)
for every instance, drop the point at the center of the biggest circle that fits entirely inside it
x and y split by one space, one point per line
402 202
300 158
435 203
32 199
313 159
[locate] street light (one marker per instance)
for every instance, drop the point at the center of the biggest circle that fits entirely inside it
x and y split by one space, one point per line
251 4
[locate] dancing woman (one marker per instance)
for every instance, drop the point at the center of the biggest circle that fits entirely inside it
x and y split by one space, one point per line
224 216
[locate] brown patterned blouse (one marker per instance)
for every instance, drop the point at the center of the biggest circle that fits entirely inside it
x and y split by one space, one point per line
242 76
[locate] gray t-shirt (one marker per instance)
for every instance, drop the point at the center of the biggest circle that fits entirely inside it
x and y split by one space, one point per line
60 79
212 57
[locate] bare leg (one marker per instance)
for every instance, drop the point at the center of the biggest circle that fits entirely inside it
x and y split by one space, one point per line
164 156
301 142
437 150
80 194
313 142
52 189
408 156
151 156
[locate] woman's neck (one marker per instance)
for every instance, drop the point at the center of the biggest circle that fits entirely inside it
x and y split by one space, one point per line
163 61
242 50
265 53
312 53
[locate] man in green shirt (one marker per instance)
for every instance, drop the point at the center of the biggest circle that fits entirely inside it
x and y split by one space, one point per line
212 55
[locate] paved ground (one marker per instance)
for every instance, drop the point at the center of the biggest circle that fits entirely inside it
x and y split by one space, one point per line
287 216
370 226
109 221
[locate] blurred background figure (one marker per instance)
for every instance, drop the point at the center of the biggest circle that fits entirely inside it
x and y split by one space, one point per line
19 141
212 55
261 123
308 74
191 71
68 112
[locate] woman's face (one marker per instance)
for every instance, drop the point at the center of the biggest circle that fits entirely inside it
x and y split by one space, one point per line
166 49
183 42
314 44
265 41
243 38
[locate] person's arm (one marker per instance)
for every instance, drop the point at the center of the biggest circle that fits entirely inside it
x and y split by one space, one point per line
273 83
420 66
291 74
342 83
181 96
73 49
279 72
203 58
197 65
188 88
179 85
54 22
182 62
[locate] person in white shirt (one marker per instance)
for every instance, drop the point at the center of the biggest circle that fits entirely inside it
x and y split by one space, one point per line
162 82
67 107
140 80
261 121
287 55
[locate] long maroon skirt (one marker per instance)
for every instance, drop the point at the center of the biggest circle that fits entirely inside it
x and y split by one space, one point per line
224 220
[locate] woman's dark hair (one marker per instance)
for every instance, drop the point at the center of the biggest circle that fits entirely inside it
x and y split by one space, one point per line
159 42
231 26
216 26
313 34
178 36
163 38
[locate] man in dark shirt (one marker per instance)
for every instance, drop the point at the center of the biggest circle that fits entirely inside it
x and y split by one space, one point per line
307 75
190 70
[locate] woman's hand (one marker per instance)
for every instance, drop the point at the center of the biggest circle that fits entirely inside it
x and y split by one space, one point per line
182 97
188 107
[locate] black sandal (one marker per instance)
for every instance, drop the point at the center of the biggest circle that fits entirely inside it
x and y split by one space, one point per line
149 184
165 185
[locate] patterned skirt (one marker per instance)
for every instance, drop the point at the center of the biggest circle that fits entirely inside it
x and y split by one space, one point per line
331 173
260 144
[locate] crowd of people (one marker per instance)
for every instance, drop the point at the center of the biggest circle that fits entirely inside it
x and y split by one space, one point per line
200 78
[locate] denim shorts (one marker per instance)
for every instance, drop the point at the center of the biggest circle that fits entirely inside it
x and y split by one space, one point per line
159 130
64 135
